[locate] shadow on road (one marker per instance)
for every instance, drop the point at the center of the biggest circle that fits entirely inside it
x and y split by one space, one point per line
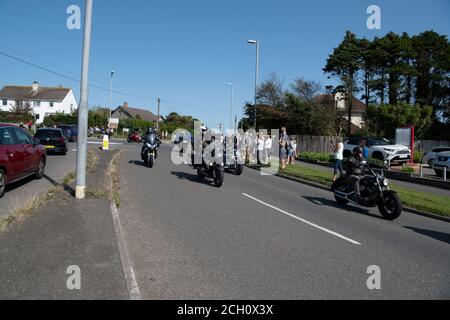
440 236
187 176
138 163
333 204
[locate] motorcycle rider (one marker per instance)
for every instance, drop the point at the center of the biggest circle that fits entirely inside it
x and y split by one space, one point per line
355 170
151 132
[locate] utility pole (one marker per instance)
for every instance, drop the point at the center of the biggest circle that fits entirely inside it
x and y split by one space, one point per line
80 192
159 109
110 97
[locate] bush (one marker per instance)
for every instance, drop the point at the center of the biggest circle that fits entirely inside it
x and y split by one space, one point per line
11 117
408 170
314 156
418 156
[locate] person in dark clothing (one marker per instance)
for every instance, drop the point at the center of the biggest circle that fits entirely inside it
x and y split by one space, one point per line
150 133
355 170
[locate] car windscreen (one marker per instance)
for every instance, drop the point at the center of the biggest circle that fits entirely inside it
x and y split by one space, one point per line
380 142
48 134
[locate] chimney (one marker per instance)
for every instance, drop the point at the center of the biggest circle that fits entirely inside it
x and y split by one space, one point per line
125 105
35 87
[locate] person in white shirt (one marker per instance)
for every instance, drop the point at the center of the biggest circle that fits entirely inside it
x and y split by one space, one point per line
338 150
268 144
260 150
294 151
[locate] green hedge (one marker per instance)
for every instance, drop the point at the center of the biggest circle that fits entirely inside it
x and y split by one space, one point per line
10 117
314 156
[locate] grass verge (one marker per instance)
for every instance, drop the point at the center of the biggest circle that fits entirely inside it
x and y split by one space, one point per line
424 201
115 184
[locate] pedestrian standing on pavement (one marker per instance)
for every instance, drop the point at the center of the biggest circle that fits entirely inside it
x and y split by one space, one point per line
260 148
364 148
268 149
284 145
294 151
338 149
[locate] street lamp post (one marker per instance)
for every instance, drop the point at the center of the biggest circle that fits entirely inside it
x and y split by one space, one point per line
230 84
110 96
256 43
80 192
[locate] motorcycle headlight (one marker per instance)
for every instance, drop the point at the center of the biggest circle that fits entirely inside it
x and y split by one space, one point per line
386 182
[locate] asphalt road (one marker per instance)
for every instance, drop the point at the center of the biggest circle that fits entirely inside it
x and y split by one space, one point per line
21 192
264 237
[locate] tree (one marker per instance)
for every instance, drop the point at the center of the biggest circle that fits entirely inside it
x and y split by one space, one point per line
345 62
306 90
21 107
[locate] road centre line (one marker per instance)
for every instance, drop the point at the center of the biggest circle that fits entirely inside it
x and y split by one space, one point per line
303 220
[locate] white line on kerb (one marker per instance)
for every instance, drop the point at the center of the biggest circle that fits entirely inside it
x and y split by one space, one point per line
303 220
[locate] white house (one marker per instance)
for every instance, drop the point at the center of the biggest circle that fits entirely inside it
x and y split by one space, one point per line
44 101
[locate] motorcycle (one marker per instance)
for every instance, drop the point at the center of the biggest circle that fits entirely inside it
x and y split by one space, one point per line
234 166
375 192
134 137
212 170
150 151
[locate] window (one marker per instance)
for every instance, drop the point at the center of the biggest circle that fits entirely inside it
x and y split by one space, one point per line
38 116
23 137
52 104
6 136
4 102
37 103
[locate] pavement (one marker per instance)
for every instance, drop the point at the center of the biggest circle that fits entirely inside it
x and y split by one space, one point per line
36 255
257 237
264 237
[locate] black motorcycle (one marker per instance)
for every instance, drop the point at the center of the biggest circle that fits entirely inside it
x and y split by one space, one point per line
234 166
375 192
150 151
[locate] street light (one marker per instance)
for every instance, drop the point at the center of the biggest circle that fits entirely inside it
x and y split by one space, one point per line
230 84
256 43
110 96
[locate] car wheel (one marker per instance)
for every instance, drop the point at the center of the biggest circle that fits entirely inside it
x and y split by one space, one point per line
41 169
2 183
431 163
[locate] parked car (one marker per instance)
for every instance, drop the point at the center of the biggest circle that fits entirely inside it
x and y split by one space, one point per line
21 156
70 131
441 163
428 157
380 149
53 140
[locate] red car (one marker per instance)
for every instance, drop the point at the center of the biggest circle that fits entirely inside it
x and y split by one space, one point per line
21 156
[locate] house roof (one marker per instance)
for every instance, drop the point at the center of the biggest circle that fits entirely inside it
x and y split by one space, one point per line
358 105
136 113
26 93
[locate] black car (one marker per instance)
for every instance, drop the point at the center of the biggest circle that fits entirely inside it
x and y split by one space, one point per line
70 131
54 140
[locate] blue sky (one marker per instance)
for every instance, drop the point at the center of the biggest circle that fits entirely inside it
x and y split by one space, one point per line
187 51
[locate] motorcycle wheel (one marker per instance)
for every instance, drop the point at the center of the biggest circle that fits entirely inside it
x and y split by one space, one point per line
338 186
200 174
218 177
390 206
151 161
239 169
129 140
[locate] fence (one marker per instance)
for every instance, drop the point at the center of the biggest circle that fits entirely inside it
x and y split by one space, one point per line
314 143
322 144
428 145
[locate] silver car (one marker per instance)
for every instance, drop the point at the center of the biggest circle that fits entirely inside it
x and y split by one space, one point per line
428 157
442 163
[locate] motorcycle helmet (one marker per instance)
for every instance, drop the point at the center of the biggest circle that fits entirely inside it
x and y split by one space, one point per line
358 153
